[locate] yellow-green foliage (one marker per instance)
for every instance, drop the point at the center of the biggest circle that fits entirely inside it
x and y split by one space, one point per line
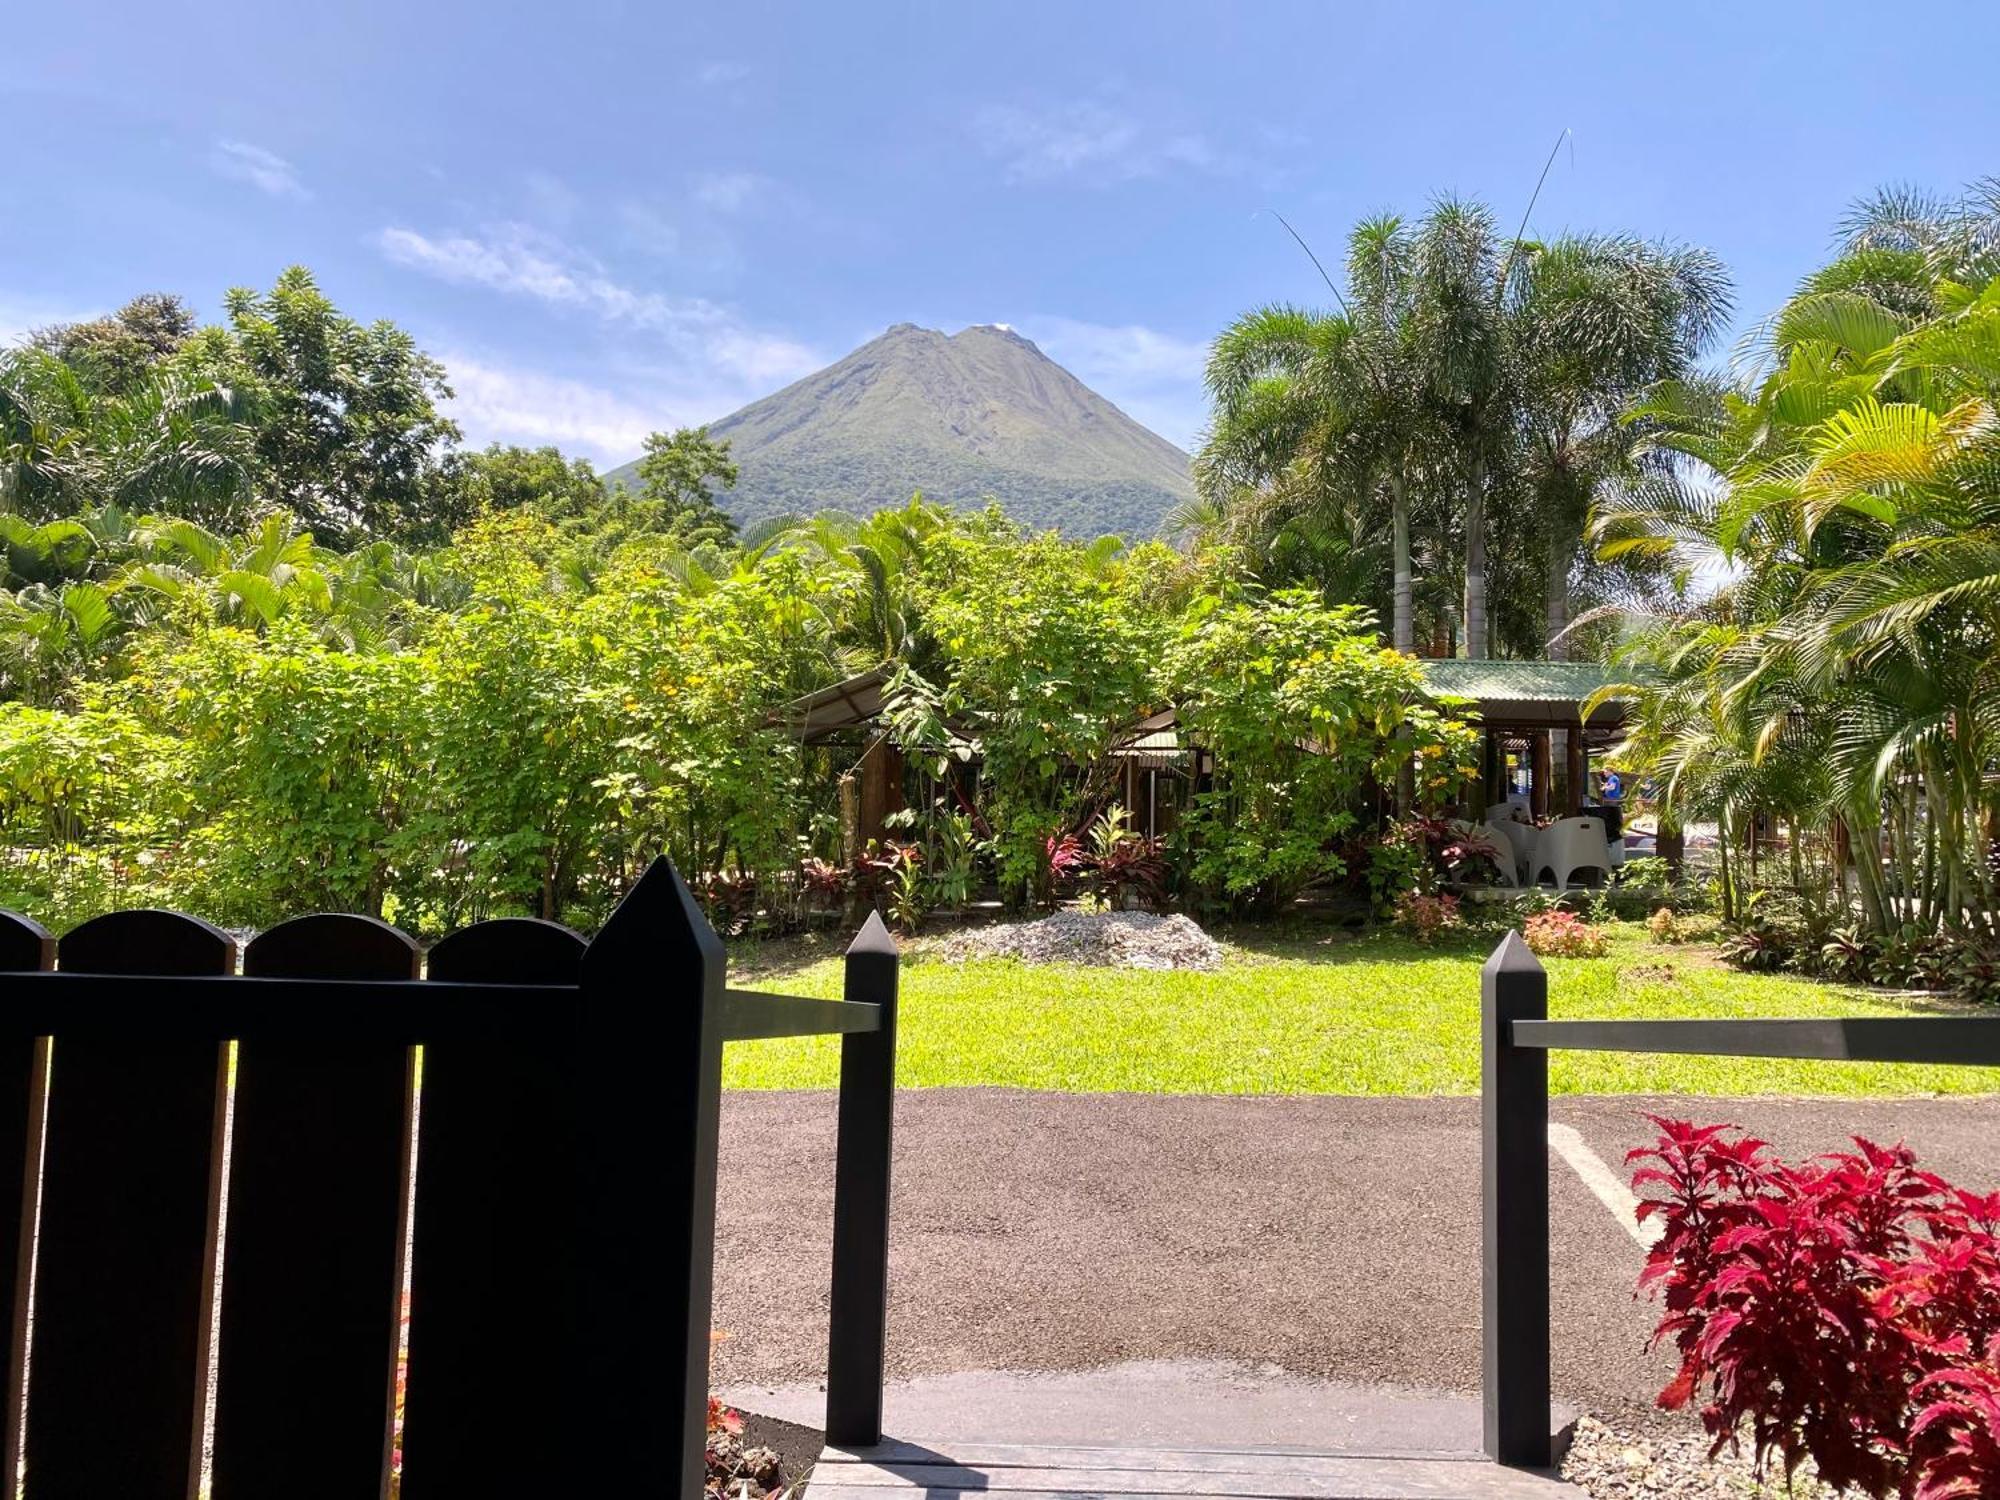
515 723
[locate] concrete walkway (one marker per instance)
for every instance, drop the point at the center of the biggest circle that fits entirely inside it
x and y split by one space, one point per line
1158 1404
1015 1471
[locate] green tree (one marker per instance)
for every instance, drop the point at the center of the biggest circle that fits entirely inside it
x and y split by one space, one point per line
1592 322
117 353
506 477
348 434
1050 650
169 439
676 474
1300 707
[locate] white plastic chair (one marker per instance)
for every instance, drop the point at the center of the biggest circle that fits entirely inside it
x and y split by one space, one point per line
1568 846
1507 854
1521 837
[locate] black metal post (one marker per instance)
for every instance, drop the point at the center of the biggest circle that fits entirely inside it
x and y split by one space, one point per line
649 1099
1514 1118
860 1296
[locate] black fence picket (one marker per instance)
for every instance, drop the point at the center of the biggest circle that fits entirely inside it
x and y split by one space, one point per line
1516 1037
549 1165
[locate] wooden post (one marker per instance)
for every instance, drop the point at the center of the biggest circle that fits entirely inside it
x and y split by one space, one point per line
1574 798
881 789
1514 1222
859 1301
649 1095
1542 774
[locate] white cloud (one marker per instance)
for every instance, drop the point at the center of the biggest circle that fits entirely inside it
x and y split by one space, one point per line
720 72
22 316
264 170
524 262
730 192
1089 139
1154 377
498 404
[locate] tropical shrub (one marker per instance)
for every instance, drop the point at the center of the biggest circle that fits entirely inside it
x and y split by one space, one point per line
1426 916
1302 709
952 859
1049 651
88 802
306 763
1848 953
1664 926
1647 872
1758 948
1563 934
1845 1310
1125 865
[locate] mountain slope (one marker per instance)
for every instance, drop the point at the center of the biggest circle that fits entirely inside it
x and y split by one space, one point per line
980 414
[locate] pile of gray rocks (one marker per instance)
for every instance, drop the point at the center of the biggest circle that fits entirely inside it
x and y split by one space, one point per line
1111 940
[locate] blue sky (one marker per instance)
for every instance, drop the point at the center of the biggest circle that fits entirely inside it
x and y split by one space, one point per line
608 218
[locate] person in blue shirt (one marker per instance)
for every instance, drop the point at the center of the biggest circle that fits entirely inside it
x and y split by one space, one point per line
1613 788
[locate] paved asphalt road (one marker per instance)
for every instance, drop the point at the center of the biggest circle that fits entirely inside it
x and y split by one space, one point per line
1329 1237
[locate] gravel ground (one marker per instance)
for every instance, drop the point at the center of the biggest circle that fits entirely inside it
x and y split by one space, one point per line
1610 1464
1113 940
1327 1236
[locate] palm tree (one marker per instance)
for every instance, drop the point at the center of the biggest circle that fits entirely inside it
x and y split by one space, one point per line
875 564
1591 323
1852 482
1466 387
1315 418
1455 323
165 441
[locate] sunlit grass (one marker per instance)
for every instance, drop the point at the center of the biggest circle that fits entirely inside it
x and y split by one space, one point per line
1377 1016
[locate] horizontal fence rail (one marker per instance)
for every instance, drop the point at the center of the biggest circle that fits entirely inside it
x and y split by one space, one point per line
1516 1037
1971 1041
243 1204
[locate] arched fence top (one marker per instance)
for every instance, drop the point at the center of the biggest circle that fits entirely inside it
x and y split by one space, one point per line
25 944
146 941
333 945
509 950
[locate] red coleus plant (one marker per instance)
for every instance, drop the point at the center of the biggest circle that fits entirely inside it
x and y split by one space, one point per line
723 1418
1845 1309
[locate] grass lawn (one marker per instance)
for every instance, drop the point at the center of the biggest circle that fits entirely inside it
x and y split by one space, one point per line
1303 1015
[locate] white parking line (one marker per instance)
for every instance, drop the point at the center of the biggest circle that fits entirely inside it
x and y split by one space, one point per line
1607 1185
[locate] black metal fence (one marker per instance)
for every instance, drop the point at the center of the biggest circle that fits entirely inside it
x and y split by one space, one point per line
215 1189
1516 1037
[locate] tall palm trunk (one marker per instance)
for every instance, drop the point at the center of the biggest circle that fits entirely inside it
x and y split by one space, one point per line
1403 628
1557 597
1475 564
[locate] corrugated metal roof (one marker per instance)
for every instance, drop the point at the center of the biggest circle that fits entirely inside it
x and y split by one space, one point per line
1521 681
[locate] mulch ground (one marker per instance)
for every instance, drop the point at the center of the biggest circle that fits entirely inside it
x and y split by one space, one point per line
1328 1236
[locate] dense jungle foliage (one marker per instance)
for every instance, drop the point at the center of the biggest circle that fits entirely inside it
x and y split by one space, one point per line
270 644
